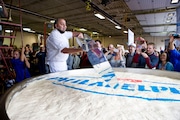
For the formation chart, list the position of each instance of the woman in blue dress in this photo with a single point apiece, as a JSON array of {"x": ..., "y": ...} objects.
[{"x": 20, "y": 65}]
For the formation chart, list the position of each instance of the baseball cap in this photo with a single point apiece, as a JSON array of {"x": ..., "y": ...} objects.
[{"x": 132, "y": 44}]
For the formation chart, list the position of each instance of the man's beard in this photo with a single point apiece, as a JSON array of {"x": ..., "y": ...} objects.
[{"x": 61, "y": 31}]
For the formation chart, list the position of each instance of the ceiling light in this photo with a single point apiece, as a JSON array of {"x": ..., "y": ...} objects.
[
  {"x": 125, "y": 31},
  {"x": 99, "y": 16},
  {"x": 29, "y": 30},
  {"x": 8, "y": 31},
  {"x": 82, "y": 29},
  {"x": 174, "y": 1},
  {"x": 32, "y": 31},
  {"x": 26, "y": 29},
  {"x": 52, "y": 21},
  {"x": 95, "y": 33},
  {"x": 117, "y": 27}
]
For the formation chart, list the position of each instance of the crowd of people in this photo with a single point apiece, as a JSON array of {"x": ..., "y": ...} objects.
[
  {"x": 58, "y": 56},
  {"x": 145, "y": 55},
  {"x": 137, "y": 56}
]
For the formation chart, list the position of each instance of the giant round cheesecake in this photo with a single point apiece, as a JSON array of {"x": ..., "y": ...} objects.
[{"x": 85, "y": 95}]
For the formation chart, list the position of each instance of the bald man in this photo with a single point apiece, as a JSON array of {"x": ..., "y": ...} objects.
[{"x": 57, "y": 45}]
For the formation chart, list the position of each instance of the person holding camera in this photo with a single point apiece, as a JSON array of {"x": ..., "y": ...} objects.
[
  {"x": 141, "y": 46},
  {"x": 151, "y": 56},
  {"x": 110, "y": 53},
  {"x": 118, "y": 60},
  {"x": 174, "y": 53},
  {"x": 148, "y": 59}
]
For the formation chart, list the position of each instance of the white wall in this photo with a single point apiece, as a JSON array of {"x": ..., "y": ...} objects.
[
  {"x": 159, "y": 41},
  {"x": 28, "y": 38}
]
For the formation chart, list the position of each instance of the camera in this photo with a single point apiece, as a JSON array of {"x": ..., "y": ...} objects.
[
  {"x": 143, "y": 50},
  {"x": 116, "y": 50},
  {"x": 176, "y": 35}
]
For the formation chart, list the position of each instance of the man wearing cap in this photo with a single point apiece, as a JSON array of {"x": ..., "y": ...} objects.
[{"x": 130, "y": 55}]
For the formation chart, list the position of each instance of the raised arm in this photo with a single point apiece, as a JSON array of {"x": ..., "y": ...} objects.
[
  {"x": 171, "y": 43},
  {"x": 24, "y": 59},
  {"x": 78, "y": 34},
  {"x": 71, "y": 50}
]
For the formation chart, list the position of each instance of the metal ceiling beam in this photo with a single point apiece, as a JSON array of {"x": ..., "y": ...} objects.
[
  {"x": 33, "y": 13},
  {"x": 158, "y": 25},
  {"x": 27, "y": 11},
  {"x": 103, "y": 12},
  {"x": 140, "y": 12}
]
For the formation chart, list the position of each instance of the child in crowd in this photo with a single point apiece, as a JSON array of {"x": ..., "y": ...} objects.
[{"x": 20, "y": 65}]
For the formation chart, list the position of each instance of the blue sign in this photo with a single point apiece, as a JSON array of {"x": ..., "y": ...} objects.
[{"x": 139, "y": 89}]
